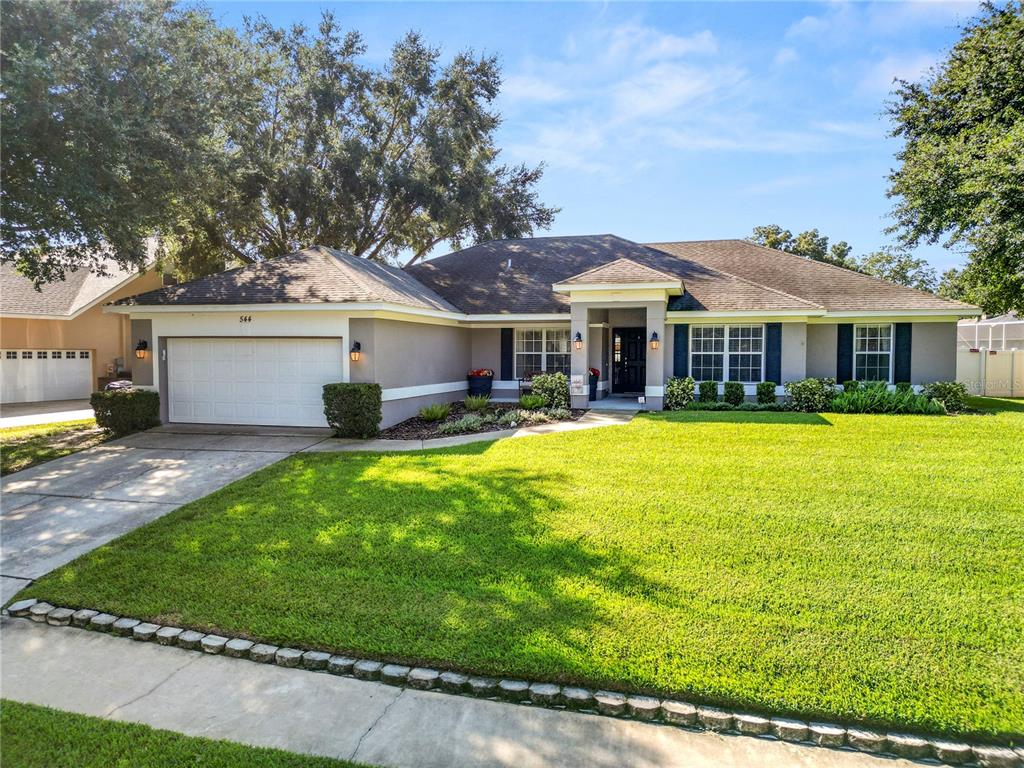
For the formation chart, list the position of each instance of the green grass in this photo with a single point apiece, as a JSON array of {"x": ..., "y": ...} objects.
[
  {"x": 24, "y": 447},
  {"x": 849, "y": 567},
  {"x": 39, "y": 737}
]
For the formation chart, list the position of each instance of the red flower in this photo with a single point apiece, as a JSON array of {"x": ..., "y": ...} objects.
[{"x": 482, "y": 372}]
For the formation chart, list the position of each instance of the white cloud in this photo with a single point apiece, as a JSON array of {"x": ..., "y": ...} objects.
[
  {"x": 874, "y": 130},
  {"x": 786, "y": 56},
  {"x": 530, "y": 88},
  {"x": 664, "y": 88},
  {"x": 781, "y": 184},
  {"x": 912, "y": 66},
  {"x": 646, "y": 44},
  {"x": 573, "y": 145}
]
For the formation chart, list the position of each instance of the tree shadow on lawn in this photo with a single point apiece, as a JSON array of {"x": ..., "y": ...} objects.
[
  {"x": 745, "y": 417},
  {"x": 996, "y": 404},
  {"x": 445, "y": 557}
]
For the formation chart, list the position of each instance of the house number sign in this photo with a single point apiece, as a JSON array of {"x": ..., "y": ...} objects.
[{"x": 245, "y": 318}]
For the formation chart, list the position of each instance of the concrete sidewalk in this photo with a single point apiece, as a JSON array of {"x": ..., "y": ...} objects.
[{"x": 322, "y": 714}]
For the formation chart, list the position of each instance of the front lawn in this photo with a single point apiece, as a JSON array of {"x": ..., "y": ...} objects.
[
  {"x": 845, "y": 567},
  {"x": 24, "y": 447},
  {"x": 39, "y": 737}
]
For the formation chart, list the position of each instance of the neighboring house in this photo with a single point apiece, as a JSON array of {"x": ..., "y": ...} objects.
[
  {"x": 1002, "y": 333},
  {"x": 254, "y": 345},
  {"x": 57, "y": 342}
]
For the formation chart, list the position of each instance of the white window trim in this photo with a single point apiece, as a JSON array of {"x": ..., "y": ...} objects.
[
  {"x": 891, "y": 352},
  {"x": 516, "y": 373},
  {"x": 725, "y": 352}
]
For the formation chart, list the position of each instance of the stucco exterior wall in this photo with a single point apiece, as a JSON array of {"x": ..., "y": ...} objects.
[
  {"x": 107, "y": 336},
  {"x": 933, "y": 352},
  {"x": 821, "y": 350},
  {"x": 794, "y": 352}
]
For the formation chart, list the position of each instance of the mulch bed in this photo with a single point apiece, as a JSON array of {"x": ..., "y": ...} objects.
[{"x": 420, "y": 429}]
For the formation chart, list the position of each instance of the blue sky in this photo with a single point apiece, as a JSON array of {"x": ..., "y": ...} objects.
[{"x": 682, "y": 121}]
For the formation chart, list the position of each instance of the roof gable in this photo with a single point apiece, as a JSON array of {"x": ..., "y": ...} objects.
[
  {"x": 66, "y": 298},
  {"x": 620, "y": 271}
]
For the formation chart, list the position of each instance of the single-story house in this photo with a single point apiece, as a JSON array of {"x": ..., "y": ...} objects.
[
  {"x": 57, "y": 342},
  {"x": 254, "y": 345}
]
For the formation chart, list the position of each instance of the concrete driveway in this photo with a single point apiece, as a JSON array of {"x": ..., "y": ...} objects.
[
  {"x": 48, "y": 412},
  {"x": 64, "y": 508}
]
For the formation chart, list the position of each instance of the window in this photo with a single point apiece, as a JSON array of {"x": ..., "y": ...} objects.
[
  {"x": 40, "y": 355},
  {"x": 542, "y": 351},
  {"x": 84, "y": 354},
  {"x": 70, "y": 355},
  {"x": 26, "y": 355},
  {"x": 56, "y": 355},
  {"x": 872, "y": 352},
  {"x": 12, "y": 355},
  {"x": 727, "y": 352}
]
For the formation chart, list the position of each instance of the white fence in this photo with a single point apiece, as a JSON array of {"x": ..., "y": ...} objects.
[{"x": 997, "y": 373}]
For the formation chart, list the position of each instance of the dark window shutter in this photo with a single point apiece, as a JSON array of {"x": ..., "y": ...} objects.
[
  {"x": 844, "y": 352},
  {"x": 681, "y": 351},
  {"x": 773, "y": 352},
  {"x": 507, "y": 346},
  {"x": 901, "y": 349}
]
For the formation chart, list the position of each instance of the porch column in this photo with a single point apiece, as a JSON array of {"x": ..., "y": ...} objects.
[
  {"x": 579, "y": 317},
  {"x": 655, "y": 389}
]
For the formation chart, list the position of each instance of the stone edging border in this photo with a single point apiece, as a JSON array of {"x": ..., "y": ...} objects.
[{"x": 549, "y": 695}]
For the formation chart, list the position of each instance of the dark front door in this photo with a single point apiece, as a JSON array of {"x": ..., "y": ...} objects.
[{"x": 629, "y": 360}]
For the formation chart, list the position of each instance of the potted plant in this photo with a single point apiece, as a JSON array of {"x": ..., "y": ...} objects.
[
  {"x": 594, "y": 376},
  {"x": 480, "y": 380}
]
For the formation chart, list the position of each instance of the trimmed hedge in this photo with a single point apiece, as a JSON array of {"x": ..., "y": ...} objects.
[
  {"x": 708, "y": 391},
  {"x": 766, "y": 393},
  {"x": 733, "y": 392},
  {"x": 123, "y": 411},
  {"x": 678, "y": 393},
  {"x": 811, "y": 395},
  {"x": 353, "y": 410},
  {"x": 553, "y": 387}
]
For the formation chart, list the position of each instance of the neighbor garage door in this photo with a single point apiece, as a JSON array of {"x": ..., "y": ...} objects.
[
  {"x": 251, "y": 381},
  {"x": 32, "y": 375}
]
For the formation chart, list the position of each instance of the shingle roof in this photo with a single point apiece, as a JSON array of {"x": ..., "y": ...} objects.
[
  {"x": 835, "y": 288},
  {"x": 77, "y": 291},
  {"x": 515, "y": 276},
  {"x": 311, "y": 276},
  {"x": 620, "y": 271}
]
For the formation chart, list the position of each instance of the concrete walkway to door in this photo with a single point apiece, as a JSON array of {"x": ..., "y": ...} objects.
[
  {"x": 323, "y": 714},
  {"x": 56, "y": 511}
]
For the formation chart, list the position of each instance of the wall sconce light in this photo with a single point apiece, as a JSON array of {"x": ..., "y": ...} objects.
[
  {"x": 140, "y": 349},
  {"x": 355, "y": 351},
  {"x": 655, "y": 343},
  {"x": 578, "y": 341}
]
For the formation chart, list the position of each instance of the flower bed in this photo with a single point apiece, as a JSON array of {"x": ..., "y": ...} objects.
[{"x": 418, "y": 428}]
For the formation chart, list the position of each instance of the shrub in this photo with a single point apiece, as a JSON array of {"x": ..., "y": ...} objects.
[
  {"x": 353, "y": 410},
  {"x": 471, "y": 422},
  {"x": 903, "y": 386},
  {"x": 532, "y": 401},
  {"x": 733, "y": 392},
  {"x": 678, "y": 393},
  {"x": 708, "y": 391},
  {"x": 518, "y": 418},
  {"x": 877, "y": 398},
  {"x": 123, "y": 411},
  {"x": 851, "y": 386},
  {"x": 435, "y": 411},
  {"x": 952, "y": 395},
  {"x": 772, "y": 406},
  {"x": 476, "y": 402},
  {"x": 811, "y": 395},
  {"x": 553, "y": 388},
  {"x": 724, "y": 406},
  {"x": 766, "y": 393},
  {"x": 559, "y": 414},
  {"x": 710, "y": 405}
]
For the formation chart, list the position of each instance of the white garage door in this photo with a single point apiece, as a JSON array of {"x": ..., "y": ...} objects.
[
  {"x": 33, "y": 375},
  {"x": 251, "y": 381}
]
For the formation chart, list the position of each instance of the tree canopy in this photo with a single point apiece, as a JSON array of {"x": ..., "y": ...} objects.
[
  {"x": 961, "y": 168},
  {"x": 810, "y": 244},
  {"x": 112, "y": 116},
  {"x": 129, "y": 119}
]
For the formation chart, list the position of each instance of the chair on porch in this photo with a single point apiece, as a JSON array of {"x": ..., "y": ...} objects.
[{"x": 526, "y": 382}]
